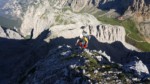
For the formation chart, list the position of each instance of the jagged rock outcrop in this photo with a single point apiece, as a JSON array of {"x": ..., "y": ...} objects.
[
  {"x": 141, "y": 10},
  {"x": 137, "y": 67},
  {"x": 104, "y": 33},
  {"x": 2, "y": 33},
  {"x": 8, "y": 33},
  {"x": 144, "y": 29},
  {"x": 83, "y": 67}
]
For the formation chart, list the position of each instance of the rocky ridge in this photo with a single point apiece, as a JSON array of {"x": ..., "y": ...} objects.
[
  {"x": 62, "y": 64},
  {"x": 75, "y": 66},
  {"x": 65, "y": 63}
]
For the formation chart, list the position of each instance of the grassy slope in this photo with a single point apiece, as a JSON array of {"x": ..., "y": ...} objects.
[{"x": 133, "y": 37}]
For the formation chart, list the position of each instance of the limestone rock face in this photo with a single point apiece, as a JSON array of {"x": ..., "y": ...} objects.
[
  {"x": 141, "y": 10},
  {"x": 10, "y": 34},
  {"x": 2, "y": 33},
  {"x": 37, "y": 18},
  {"x": 104, "y": 33},
  {"x": 145, "y": 29},
  {"x": 13, "y": 35}
]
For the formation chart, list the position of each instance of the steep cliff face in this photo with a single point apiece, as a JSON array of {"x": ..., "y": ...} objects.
[
  {"x": 54, "y": 14},
  {"x": 39, "y": 15},
  {"x": 141, "y": 10},
  {"x": 18, "y": 7},
  {"x": 104, "y": 33}
]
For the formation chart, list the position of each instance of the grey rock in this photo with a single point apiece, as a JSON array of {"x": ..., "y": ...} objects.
[
  {"x": 87, "y": 61},
  {"x": 102, "y": 60},
  {"x": 144, "y": 29},
  {"x": 95, "y": 71},
  {"x": 10, "y": 34},
  {"x": 2, "y": 33},
  {"x": 137, "y": 67},
  {"x": 104, "y": 57},
  {"x": 110, "y": 72},
  {"x": 83, "y": 71},
  {"x": 88, "y": 75},
  {"x": 135, "y": 79},
  {"x": 73, "y": 66},
  {"x": 13, "y": 35},
  {"x": 66, "y": 54}
]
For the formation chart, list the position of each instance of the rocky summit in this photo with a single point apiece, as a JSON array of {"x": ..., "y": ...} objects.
[
  {"x": 65, "y": 64},
  {"x": 38, "y": 42}
]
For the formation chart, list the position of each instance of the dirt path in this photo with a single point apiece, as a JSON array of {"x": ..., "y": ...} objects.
[
  {"x": 111, "y": 11},
  {"x": 133, "y": 38}
]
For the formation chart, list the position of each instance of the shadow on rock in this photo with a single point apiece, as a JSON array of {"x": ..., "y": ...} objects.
[
  {"x": 120, "y": 7},
  {"x": 116, "y": 50},
  {"x": 17, "y": 56}
]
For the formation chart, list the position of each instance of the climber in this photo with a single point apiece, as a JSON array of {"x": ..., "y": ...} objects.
[{"x": 82, "y": 42}]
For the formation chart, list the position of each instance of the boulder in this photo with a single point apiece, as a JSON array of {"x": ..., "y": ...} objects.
[{"x": 137, "y": 67}]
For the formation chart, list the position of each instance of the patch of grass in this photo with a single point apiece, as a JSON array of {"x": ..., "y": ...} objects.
[
  {"x": 92, "y": 64},
  {"x": 82, "y": 67},
  {"x": 144, "y": 46},
  {"x": 27, "y": 37},
  {"x": 98, "y": 13},
  {"x": 111, "y": 21},
  {"x": 131, "y": 29},
  {"x": 122, "y": 77},
  {"x": 128, "y": 24},
  {"x": 60, "y": 20},
  {"x": 72, "y": 22},
  {"x": 92, "y": 61},
  {"x": 65, "y": 22},
  {"x": 44, "y": 15},
  {"x": 95, "y": 53},
  {"x": 66, "y": 8},
  {"x": 132, "y": 34},
  {"x": 106, "y": 68}
]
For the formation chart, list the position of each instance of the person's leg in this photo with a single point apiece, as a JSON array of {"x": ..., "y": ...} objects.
[{"x": 79, "y": 50}]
